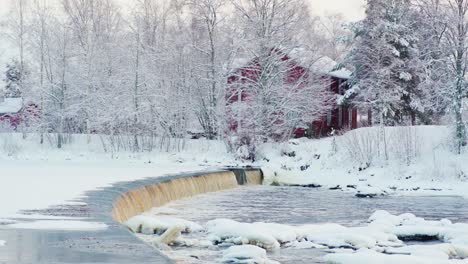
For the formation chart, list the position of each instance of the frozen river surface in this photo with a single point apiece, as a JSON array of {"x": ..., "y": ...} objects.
[{"x": 297, "y": 206}]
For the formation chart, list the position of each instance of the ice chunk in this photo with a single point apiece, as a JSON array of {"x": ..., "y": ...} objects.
[
  {"x": 230, "y": 231},
  {"x": 247, "y": 254}
]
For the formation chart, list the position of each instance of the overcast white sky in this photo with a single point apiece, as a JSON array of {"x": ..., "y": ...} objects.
[{"x": 352, "y": 9}]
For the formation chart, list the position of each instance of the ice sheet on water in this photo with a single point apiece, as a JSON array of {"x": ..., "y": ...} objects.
[
  {"x": 370, "y": 256},
  {"x": 67, "y": 225}
]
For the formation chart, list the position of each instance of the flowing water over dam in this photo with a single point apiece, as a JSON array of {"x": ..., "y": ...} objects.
[{"x": 297, "y": 206}]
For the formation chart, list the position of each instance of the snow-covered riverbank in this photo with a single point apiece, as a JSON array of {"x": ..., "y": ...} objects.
[{"x": 411, "y": 161}]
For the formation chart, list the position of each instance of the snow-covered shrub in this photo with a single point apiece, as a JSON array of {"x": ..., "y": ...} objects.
[
  {"x": 65, "y": 139},
  {"x": 406, "y": 144},
  {"x": 367, "y": 145},
  {"x": 362, "y": 145},
  {"x": 437, "y": 165},
  {"x": 10, "y": 145},
  {"x": 244, "y": 147}
]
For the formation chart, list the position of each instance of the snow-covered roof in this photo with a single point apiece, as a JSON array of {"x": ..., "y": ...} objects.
[
  {"x": 342, "y": 73},
  {"x": 11, "y": 105},
  {"x": 239, "y": 63},
  {"x": 301, "y": 55},
  {"x": 326, "y": 65}
]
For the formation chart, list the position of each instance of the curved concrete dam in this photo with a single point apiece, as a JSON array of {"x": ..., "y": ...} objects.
[
  {"x": 112, "y": 206},
  {"x": 142, "y": 199}
]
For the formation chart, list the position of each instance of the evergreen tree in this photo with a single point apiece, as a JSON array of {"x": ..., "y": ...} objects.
[
  {"x": 13, "y": 78},
  {"x": 385, "y": 57}
]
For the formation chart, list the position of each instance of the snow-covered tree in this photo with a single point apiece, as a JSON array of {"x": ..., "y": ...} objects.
[
  {"x": 210, "y": 56},
  {"x": 386, "y": 62},
  {"x": 282, "y": 93},
  {"x": 147, "y": 77},
  {"x": 13, "y": 78},
  {"x": 456, "y": 44},
  {"x": 430, "y": 23},
  {"x": 334, "y": 36}
]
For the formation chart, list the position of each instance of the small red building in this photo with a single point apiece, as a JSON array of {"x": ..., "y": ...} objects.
[
  {"x": 342, "y": 116},
  {"x": 13, "y": 113},
  {"x": 10, "y": 109}
]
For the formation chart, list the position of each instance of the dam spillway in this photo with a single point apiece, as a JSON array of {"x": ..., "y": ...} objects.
[{"x": 143, "y": 198}]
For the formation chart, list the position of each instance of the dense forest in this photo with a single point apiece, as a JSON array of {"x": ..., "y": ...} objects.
[{"x": 155, "y": 73}]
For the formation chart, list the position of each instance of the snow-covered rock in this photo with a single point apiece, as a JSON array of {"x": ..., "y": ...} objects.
[
  {"x": 148, "y": 224},
  {"x": 366, "y": 191}
]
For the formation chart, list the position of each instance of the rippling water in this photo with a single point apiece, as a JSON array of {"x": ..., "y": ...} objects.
[{"x": 297, "y": 206}]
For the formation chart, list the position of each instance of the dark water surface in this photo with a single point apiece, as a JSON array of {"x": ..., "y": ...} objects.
[{"x": 298, "y": 205}]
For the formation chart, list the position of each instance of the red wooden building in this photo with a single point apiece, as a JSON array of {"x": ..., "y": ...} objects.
[{"x": 341, "y": 117}]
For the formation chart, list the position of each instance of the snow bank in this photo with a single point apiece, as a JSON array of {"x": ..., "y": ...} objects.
[
  {"x": 63, "y": 225},
  {"x": 247, "y": 254},
  {"x": 147, "y": 224}
]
